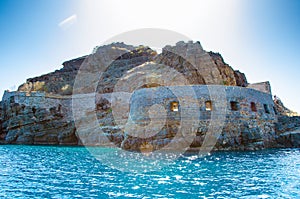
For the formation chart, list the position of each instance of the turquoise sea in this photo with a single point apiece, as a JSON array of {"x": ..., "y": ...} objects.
[{"x": 72, "y": 172}]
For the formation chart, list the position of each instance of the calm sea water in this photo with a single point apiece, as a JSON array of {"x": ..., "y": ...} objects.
[{"x": 72, "y": 172}]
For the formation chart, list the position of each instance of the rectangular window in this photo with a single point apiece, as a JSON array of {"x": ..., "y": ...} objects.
[
  {"x": 266, "y": 108},
  {"x": 253, "y": 107},
  {"x": 208, "y": 105},
  {"x": 174, "y": 106},
  {"x": 234, "y": 106}
]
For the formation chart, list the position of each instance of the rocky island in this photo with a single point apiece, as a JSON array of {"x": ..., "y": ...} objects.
[{"x": 196, "y": 93}]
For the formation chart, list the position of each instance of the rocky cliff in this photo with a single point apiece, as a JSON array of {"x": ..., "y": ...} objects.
[
  {"x": 283, "y": 110},
  {"x": 230, "y": 77},
  {"x": 40, "y": 112},
  {"x": 288, "y": 131},
  {"x": 2, "y": 135},
  {"x": 32, "y": 119},
  {"x": 61, "y": 81},
  {"x": 200, "y": 67},
  {"x": 288, "y": 125}
]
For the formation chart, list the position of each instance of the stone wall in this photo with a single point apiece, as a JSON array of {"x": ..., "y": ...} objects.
[
  {"x": 246, "y": 128},
  {"x": 37, "y": 118},
  {"x": 262, "y": 86}
]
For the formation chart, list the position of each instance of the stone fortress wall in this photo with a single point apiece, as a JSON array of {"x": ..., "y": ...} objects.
[
  {"x": 247, "y": 101},
  {"x": 249, "y": 115},
  {"x": 261, "y": 86},
  {"x": 252, "y": 124},
  {"x": 243, "y": 96}
]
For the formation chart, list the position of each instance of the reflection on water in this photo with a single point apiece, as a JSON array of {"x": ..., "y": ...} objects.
[{"x": 72, "y": 172}]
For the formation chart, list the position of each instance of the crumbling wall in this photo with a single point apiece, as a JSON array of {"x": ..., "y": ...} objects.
[{"x": 262, "y": 86}]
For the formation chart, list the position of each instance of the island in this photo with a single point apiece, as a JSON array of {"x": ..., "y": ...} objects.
[{"x": 145, "y": 100}]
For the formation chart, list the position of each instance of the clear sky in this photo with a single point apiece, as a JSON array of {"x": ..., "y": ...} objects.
[{"x": 258, "y": 37}]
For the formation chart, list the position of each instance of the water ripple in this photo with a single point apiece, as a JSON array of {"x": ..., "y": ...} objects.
[{"x": 71, "y": 172}]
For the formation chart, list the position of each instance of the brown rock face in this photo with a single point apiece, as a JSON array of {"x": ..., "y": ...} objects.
[
  {"x": 200, "y": 67},
  {"x": 58, "y": 82},
  {"x": 119, "y": 67},
  {"x": 230, "y": 77},
  {"x": 282, "y": 110},
  {"x": 287, "y": 126},
  {"x": 61, "y": 81},
  {"x": 240, "y": 78},
  {"x": 288, "y": 131},
  {"x": 2, "y": 134},
  {"x": 171, "y": 57}
]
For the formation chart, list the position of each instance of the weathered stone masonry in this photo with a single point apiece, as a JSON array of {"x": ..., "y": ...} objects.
[
  {"x": 244, "y": 128},
  {"x": 249, "y": 115}
]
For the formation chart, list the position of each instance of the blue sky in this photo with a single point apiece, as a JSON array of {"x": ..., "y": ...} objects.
[{"x": 258, "y": 37}]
